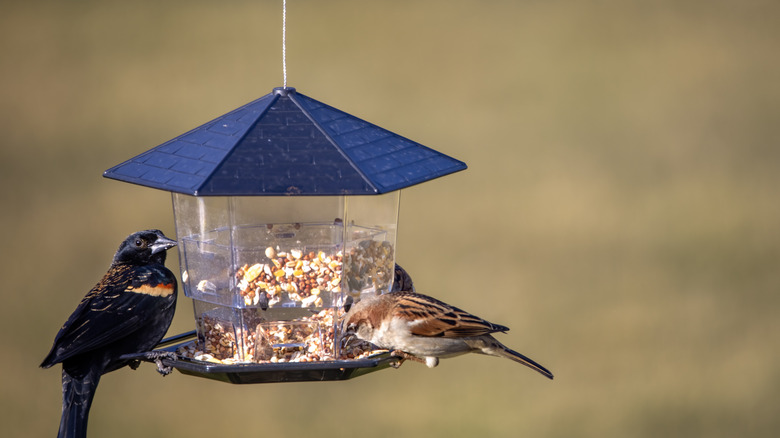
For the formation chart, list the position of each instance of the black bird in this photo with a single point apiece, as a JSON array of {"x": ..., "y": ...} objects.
[
  {"x": 402, "y": 281},
  {"x": 127, "y": 312}
]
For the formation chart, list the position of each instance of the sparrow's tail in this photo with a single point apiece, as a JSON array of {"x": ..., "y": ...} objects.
[
  {"x": 77, "y": 394},
  {"x": 501, "y": 350}
]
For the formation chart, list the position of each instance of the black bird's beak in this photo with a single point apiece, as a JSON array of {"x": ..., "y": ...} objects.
[{"x": 162, "y": 243}]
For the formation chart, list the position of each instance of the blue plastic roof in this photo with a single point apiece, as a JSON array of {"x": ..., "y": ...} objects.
[{"x": 285, "y": 143}]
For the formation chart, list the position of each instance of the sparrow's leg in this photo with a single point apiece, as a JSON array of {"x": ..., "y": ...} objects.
[
  {"x": 398, "y": 362},
  {"x": 403, "y": 356}
]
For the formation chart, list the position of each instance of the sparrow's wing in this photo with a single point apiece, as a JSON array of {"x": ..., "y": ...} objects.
[
  {"x": 432, "y": 318},
  {"x": 125, "y": 300}
]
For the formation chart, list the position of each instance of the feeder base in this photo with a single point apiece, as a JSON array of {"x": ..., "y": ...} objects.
[{"x": 322, "y": 371}]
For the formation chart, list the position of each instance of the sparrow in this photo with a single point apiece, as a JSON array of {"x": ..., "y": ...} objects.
[
  {"x": 127, "y": 312},
  {"x": 421, "y": 328}
]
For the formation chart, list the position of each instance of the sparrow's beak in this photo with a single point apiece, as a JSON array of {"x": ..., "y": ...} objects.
[{"x": 162, "y": 243}]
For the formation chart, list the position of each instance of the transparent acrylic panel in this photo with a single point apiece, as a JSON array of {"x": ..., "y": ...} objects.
[
  {"x": 287, "y": 341},
  {"x": 203, "y": 249},
  {"x": 238, "y": 335},
  {"x": 198, "y": 215},
  {"x": 288, "y": 265},
  {"x": 226, "y": 334},
  {"x": 254, "y": 210},
  {"x": 268, "y": 253},
  {"x": 206, "y": 261},
  {"x": 369, "y": 254}
]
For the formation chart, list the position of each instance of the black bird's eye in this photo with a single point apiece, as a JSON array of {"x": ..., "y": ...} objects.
[{"x": 139, "y": 243}]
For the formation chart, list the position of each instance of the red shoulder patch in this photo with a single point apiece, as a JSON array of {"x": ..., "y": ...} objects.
[{"x": 160, "y": 290}]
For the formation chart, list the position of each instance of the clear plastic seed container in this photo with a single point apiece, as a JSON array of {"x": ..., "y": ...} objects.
[{"x": 250, "y": 263}]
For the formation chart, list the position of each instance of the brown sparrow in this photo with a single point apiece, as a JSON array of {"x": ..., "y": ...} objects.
[{"x": 424, "y": 329}]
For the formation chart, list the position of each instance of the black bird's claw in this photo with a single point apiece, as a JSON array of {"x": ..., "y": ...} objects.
[{"x": 157, "y": 357}]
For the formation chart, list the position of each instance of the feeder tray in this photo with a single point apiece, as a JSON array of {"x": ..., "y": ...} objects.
[{"x": 245, "y": 373}]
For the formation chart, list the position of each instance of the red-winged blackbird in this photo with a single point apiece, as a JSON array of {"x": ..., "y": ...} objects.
[
  {"x": 402, "y": 281},
  {"x": 127, "y": 312}
]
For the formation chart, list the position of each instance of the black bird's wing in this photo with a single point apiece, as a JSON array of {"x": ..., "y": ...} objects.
[{"x": 124, "y": 301}]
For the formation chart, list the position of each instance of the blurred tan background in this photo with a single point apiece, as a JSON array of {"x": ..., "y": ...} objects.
[{"x": 620, "y": 212}]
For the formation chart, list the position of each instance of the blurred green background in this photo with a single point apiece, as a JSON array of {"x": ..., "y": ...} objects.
[{"x": 620, "y": 212}]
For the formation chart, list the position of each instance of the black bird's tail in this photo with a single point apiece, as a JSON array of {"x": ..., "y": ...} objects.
[{"x": 77, "y": 394}]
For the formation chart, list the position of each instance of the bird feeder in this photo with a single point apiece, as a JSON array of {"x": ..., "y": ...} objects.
[{"x": 284, "y": 209}]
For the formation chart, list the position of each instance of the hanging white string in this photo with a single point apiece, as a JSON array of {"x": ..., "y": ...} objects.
[{"x": 284, "y": 41}]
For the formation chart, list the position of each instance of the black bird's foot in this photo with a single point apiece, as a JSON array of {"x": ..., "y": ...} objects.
[
  {"x": 157, "y": 357},
  {"x": 134, "y": 364}
]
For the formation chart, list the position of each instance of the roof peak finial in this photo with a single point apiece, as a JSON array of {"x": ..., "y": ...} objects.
[{"x": 284, "y": 91}]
